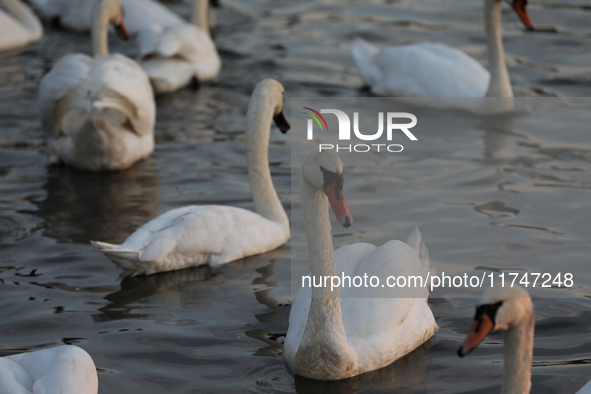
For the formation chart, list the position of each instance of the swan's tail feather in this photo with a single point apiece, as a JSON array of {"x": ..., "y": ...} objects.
[
  {"x": 126, "y": 259},
  {"x": 363, "y": 53},
  {"x": 415, "y": 241}
]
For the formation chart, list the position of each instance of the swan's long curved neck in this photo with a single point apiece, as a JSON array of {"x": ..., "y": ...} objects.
[
  {"x": 500, "y": 84},
  {"x": 100, "y": 29},
  {"x": 324, "y": 342},
  {"x": 519, "y": 344},
  {"x": 199, "y": 15},
  {"x": 24, "y": 15},
  {"x": 258, "y": 128}
]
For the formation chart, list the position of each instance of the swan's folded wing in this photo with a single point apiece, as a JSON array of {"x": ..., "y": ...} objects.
[
  {"x": 66, "y": 74},
  {"x": 14, "y": 378},
  {"x": 123, "y": 76}
]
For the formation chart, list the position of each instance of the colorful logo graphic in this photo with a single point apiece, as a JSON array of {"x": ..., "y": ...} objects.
[{"x": 316, "y": 119}]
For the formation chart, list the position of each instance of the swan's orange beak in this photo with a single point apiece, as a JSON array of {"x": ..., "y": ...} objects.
[
  {"x": 480, "y": 329},
  {"x": 339, "y": 205},
  {"x": 122, "y": 31},
  {"x": 520, "y": 6},
  {"x": 281, "y": 122}
]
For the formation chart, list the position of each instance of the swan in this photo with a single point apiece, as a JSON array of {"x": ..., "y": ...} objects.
[
  {"x": 60, "y": 370},
  {"x": 435, "y": 70},
  {"x": 214, "y": 234},
  {"x": 331, "y": 336},
  {"x": 510, "y": 310},
  {"x": 18, "y": 25},
  {"x": 98, "y": 113},
  {"x": 173, "y": 56},
  {"x": 76, "y": 15}
]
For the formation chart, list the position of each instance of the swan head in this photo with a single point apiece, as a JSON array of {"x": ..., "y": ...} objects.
[
  {"x": 501, "y": 308},
  {"x": 520, "y": 7},
  {"x": 116, "y": 14},
  {"x": 271, "y": 92},
  {"x": 324, "y": 171}
]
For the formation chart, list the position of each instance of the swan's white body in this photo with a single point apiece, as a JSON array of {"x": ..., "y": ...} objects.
[
  {"x": 18, "y": 25},
  {"x": 331, "y": 336},
  {"x": 98, "y": 112},
  {"x": 435, "y": 70},
  {"x": 76, "y": 15},
  {"x": 195, "y": 235},
  {"x": 420, "y": 70},
  {"x": 212, "y": 234},
  {"x": 174, "y": 55},
  {"x": 59, "y": 370}
]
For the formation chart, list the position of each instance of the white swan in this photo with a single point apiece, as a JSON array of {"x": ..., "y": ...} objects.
[
  {"x": 510, "y": 310},
  {"x": 213, "y": 234},
  {"x": 98, "y": 113},
  {"x": 18, "y": 25},
  {"x": 76, "y": 15},
  {"x": 60, "y": 370},
  {"x": 331, "y": 336},
  {"x": 174, "y": 55},
  {"x": 435, "y": 70}
]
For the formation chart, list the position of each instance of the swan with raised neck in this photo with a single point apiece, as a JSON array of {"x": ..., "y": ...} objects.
[
  {"x": 215, "y": 234},
  {"x": 330, "y": 338},
  {"x": 105, "y": 12},
  {"x": 510, "y": 310}
]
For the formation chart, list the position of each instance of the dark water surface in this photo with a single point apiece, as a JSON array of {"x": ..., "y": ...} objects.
[{"x": 489, "y": 198}]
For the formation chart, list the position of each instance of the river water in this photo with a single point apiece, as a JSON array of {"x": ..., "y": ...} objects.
[{"x": 510, "y": 197}]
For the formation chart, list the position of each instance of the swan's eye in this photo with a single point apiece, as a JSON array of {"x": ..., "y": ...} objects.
[
  {"x": 331, "y": 176},
  {"x": 489, "y": 310}
]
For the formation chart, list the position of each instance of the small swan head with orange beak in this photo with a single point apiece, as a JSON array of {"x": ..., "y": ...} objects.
[
  {"x": 501, "y": 308},
  {"x": 520, "y": 7},
  {"x": 324, "y": 171}
]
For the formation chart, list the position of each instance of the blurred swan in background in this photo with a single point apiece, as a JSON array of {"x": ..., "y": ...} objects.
[
  {"x": 510, "y": 310},
  {"x": 213, "y": 234},
  {"x": 18, "y": 25},
  {"x": 174, "y": 55},
  {"x": 76, "y": 15},
  {"x": 98, "y": 112},
  {"x": 60, "y": 370},
  {"x": 435, "y": 70},
  {"x": 333, "y": 334}
]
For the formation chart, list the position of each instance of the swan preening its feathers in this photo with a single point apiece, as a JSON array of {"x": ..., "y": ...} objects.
[
  {"x": 98, "y": 112},
  {"x": 333, "y": 335},
  {"x": 18, "y": 25},
  {"x": 435, "y": 70},
  {"x": 213, "y": 234},
  {"x": 60, "y": 370}
]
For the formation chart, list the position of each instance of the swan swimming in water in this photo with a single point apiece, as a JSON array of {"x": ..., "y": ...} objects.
[
  {"x": 98, "y": 112},
  {"x": 333, "y": 335},
  {"x": 510, "y": 310},
  {"x": 435, "y": 70},
  {"x": 214, "y": 234}
]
